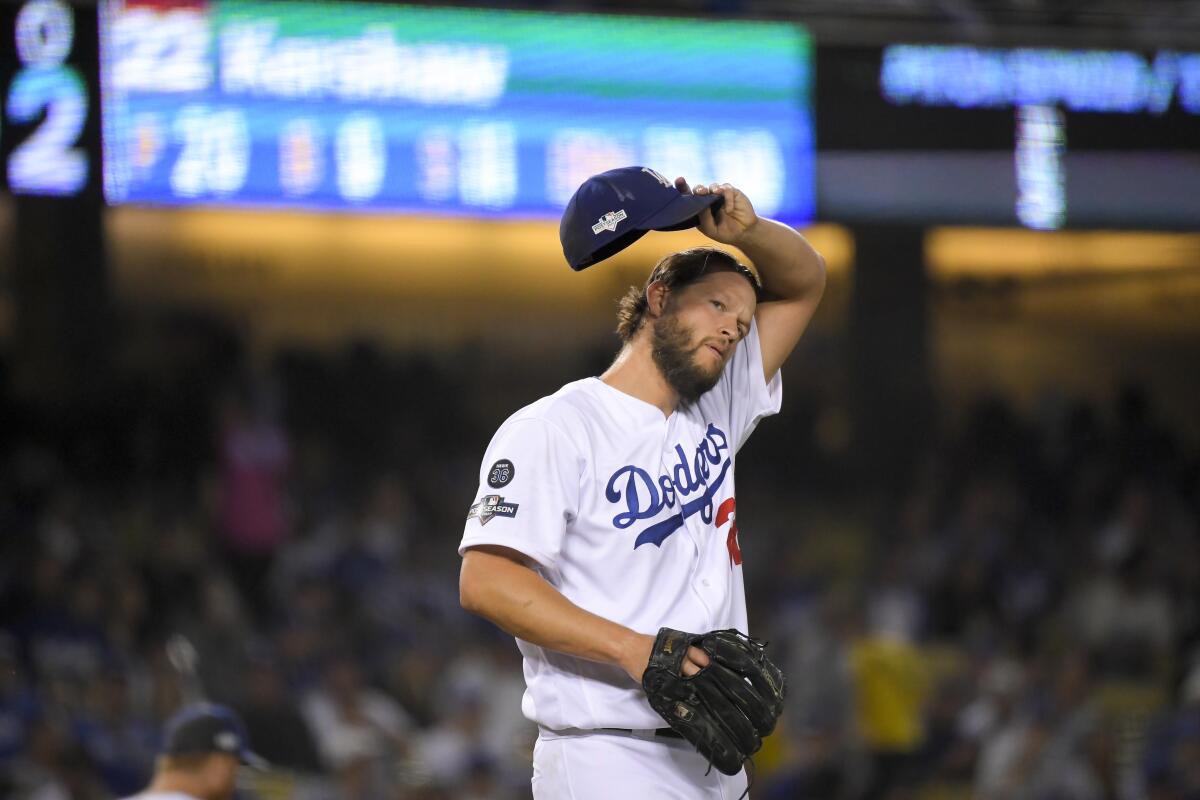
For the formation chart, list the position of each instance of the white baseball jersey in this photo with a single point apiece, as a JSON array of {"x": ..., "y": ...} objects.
[{"x": 630, "y": 515}]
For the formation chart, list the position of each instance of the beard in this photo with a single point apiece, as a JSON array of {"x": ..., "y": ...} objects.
[{"x": 675, "y": 357}]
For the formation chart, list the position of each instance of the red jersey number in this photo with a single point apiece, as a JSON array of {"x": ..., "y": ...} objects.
[{"x": 727, "y": 513}]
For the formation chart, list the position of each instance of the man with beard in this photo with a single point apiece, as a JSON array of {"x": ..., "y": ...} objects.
[{"x": 607, "y": 510}]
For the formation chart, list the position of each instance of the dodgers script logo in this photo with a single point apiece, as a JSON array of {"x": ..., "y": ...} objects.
[{"x": 645, "y": 496}]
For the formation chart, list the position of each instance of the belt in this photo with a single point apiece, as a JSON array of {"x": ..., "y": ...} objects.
[
  {"x": 649, "y": 734},
  {"x": 665, "y": 733}
]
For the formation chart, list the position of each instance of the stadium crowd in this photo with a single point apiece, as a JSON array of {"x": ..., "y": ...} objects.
[{"x": 1016, "y": 616}]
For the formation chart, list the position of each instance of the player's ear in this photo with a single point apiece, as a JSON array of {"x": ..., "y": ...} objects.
[{"x": 656, "y": 298}]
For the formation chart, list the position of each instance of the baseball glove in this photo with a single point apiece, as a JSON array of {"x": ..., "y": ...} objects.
[{"x": 726, "y": 708}]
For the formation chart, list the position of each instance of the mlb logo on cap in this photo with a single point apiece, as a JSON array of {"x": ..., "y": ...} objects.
[{"x": 614, "y": 209}]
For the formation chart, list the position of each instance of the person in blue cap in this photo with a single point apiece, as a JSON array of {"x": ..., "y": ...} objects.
[
  {"x": 607, "y": 511},
  {"x": 204, "y": 744}
]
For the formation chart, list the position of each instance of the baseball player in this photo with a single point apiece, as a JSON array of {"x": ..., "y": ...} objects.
[
  {"x": 204, "y": 744},
  {"x": 607, "y": 510}
]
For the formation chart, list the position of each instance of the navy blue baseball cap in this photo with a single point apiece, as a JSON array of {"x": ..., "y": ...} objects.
[
  {"x": 614, "y": 209},
  {"x": 209, "y": 728}
]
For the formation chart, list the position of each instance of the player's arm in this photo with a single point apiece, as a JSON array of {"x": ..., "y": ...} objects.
[
  {"x": 792, "y": 272},
  {"x": 497, "y": 583}
]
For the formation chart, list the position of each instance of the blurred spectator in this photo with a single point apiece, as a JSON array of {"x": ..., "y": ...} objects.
[
  {"x": 890, "y": 686},
  {"x": 816, "y": 769},
  {"x": 451, "y": 748},
  {"x": 273, "y": 721},
  {"x": 128, "y": 622},
  {"x": 220, "y": 632},
  {"x": 1047, "y": 747},
  {"x": 409, "y": 672},
  {"x": 117, "y": 740},
  {"x": 175, "y": 565},
  {"x": 1172, "y": 760},
  {"x": 1124, "y": 617},
  {"x": 18, "y": 703},
  {"x": 62, "y": 632},
  {"x": 997, "y": 703},
  {"x": 253, "y": 516},
  {"x": 483, "y": 683},
  {"x": 481, "y": 782},
  {"x": 361, "y": 732},
  {"x": 53, "y": 768}
]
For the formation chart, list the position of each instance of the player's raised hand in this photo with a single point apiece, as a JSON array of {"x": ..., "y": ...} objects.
[{"x": 732, "y": 221}]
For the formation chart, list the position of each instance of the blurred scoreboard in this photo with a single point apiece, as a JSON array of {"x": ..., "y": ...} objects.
[
  {"x": 340, "y": 105},
  {"x": 1044, "y": 138},
  {"x": 454, "y": 111}
]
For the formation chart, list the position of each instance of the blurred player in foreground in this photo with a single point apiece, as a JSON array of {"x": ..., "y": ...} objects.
[
  {"x": 606, "y": 511},
  {"x": 203, "y": 746}
]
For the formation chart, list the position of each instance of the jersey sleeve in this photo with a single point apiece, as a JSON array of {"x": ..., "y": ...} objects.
[
  {"x": 745, "y": 395},
  {"x": 528, "y": 491}
]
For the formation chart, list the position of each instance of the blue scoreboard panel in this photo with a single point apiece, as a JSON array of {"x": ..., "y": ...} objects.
[{"x": 340, "y": 105}]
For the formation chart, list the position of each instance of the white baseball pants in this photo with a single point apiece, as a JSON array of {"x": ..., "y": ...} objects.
[{"x": 600, "y": 766}]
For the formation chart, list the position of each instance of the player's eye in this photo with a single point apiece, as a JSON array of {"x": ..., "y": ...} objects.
[{"x": 718, "y": 305}]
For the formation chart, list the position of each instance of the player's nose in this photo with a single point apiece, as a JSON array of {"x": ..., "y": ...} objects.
[{"x": 728, "y": 329}]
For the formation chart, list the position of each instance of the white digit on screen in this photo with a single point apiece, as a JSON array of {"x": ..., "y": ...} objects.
[
  {"x": 751, "y": 160},
  {"x": 187, "y": 176},
  {"x": 229, "y": 153},
  {"x": 1041, "y": 187},
  {"x": 361, "y": 158},
  {"x": 133, "y": 48},
  {"x": 45, "y": 32},
  {"x": 161, "y": 51},
  {"x": 182, "y": 66},
  {"x": 215, "y": 156},
  {"x": 487, "y": 166},
  {"x": 47, "y": 160}
]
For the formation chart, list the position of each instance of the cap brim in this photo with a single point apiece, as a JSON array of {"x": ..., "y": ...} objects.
[
  {"x": 611, "y": 248},
  {"x": 681, "y": 213},
  {"x": 254, "y": 761}
]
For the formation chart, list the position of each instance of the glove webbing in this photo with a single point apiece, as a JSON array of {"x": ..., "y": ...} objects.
[{"x": 749, "y": 765}]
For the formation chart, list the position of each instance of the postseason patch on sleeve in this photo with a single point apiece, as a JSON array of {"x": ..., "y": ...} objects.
[{"x": 489, "y": 506}]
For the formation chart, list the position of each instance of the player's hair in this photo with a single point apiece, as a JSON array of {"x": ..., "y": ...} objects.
[{"x": 677, "y": 271}]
